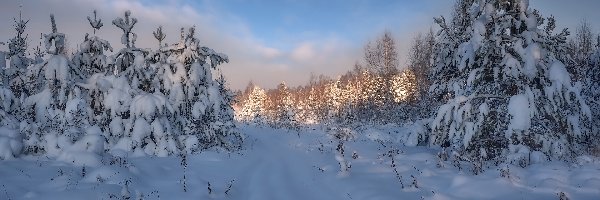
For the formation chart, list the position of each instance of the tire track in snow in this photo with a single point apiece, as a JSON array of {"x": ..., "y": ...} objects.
[{"x": 280, "y": 172}]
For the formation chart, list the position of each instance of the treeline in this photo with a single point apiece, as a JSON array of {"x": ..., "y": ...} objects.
[{"x": 374, "y": 92}]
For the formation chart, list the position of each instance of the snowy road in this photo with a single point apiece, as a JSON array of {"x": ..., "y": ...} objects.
[{"x": 282, "y": 172}]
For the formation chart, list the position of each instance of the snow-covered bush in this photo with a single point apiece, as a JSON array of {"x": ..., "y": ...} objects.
[{"x": 504, "y": 85}]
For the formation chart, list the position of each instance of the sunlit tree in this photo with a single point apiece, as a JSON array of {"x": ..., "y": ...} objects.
[{"x": 253, "y": 108}]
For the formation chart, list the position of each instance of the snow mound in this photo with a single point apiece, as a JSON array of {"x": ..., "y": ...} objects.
[{"x": 86, "y": 151}]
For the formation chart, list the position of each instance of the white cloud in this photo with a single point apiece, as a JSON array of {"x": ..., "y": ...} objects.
[
  {"x": 268, "y": 52},
  {"x": 304, "y": 52}
]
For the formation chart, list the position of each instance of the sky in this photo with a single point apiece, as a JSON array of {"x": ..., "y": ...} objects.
[{"x": 267, "y": 41}]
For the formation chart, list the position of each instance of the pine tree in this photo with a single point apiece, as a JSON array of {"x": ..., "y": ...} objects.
[
  {"x": 507, "y": 93},
  {"x": 404, "y": 86},
  {"x": 90, "y": 58},
  {"x": 334, "y": 101},
  {"x": 253, "y": 108},
  {"x": 17, "y": 46},
  {"x": 284, "y": 115},
  {"x": 191, "y": 91},
  {"x": 50, "y": 111},
  {"x": 126, "y": 57}
]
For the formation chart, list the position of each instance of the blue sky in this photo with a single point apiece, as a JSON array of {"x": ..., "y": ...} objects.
[
  {"x": 285, "y": 22},
  {"x": 267, "y": 41}
]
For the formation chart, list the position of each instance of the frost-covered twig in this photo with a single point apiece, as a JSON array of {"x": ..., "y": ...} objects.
[
  {"x": 6, "y": 192},
  {"x": 183, "y": 156},
  {"x": 229, "y": 187},
  {"x": 414, "y": 181},
  {"x": 209, "y": 188},
  {"x": 391, "y": 154}
]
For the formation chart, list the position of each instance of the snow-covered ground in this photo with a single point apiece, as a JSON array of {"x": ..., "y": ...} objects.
[{"x": 281, "y": 164}]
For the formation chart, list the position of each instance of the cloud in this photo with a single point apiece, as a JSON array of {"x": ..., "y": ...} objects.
[
  {"x": 268, "y": 52},
  {"x": 304, "y": 52}
]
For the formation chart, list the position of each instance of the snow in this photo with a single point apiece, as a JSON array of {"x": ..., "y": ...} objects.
[
  {"x": 73, "y": 107},
  {"x": 148, "y": 105},
  {"x": 518, "y": 108},
  {"x": 531, "y": 58},
  {"x": 41, "y": 103},
  {"x": 279, "y": 164},
  {"x": 467, "y": 55},
  {"x": 559, "y": 76},
  {"x": 54, "y": 42},
  {"x": 141, "y": 130},
  {"x": 57, "y": 68},
  {"x": 6, "y": 98},
  {"x": 10, "y": 143}
]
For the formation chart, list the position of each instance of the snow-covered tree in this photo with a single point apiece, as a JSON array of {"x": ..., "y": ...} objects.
[
  {"x": 333, "y": 92},
  {"x": 591, "y": 89},
  {"x": 129, "y": 55},
  {"x": 404, "y": 86},
  {"x": 284, "y": 114},
  {"x": 198, "y": 100},
  {"x": 94, "y": 65},
  {"x": 14, "y": 74},
  {"x": 48, "y": 110},
  {"x": 126, "y": 24},
  {"x": 91, "y": 58},
  {"x": 381, "y": 61},
  {"x": 419, "y": 57},
  {"x": 309, "y": 107},
  {"x": 253, "y": 108},
  {"x": 382, "y": 57},
  {"x": 140, "y": 101},
  {"x": 508, "y": 94},
  {"x": 580, "y": 49}
]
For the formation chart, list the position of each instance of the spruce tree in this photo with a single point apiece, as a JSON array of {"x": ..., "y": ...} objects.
[{"x": 507, "y": 93}]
